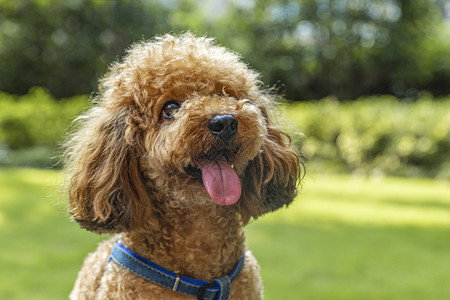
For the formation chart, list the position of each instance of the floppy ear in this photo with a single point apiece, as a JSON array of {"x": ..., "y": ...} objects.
[
  {"x": 107, "y": 192},
  {"x": 271, "y": 179}
]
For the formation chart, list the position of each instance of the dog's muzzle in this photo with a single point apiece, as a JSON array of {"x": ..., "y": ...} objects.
[{"x": 214, "y": 167}]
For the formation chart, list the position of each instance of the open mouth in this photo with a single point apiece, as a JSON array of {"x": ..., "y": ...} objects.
[
  {"x": 193, "y": 171},
  {"x": 219, "y": 179}
]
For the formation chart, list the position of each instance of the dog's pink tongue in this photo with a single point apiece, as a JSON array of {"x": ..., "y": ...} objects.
[{"x": 221, "y": 181}]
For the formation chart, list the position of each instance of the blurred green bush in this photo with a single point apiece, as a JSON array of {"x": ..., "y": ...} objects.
[
  {"x": 33, "y": 126},
  {"x": 375, "y": 135}
]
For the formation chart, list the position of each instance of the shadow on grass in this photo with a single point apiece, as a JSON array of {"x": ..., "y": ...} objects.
[{"x": 421, "y": 204}]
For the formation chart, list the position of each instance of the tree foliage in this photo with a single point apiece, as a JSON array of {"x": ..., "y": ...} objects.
[
  {"x": 66, "y": 45},
  {"x": 311, "y": 48},
  {"x": 345, "y": 48}
]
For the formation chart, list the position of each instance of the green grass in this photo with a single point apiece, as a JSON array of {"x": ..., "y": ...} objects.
[
  {"x": 344, "y": 238},
  {"x": 41, "y": 251},
  {"x": 350, "y": 238}
]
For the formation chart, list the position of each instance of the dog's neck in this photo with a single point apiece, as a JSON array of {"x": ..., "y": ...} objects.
[{"x": 198, "y": 242}]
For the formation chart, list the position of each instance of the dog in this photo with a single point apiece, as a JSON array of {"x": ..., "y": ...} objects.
[{"x": 178, "y": 153}]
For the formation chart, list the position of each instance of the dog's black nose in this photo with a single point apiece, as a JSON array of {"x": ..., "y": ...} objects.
[{"x": 223, "y": 126}]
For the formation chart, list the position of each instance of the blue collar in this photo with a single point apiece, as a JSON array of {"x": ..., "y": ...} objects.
[{"x": 218, "y": 289}]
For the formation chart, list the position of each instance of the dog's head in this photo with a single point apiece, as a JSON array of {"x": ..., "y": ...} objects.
[{"x": 179, "y": 122}]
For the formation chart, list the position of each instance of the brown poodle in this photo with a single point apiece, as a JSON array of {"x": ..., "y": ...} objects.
[{"x": 177, "y": 155}]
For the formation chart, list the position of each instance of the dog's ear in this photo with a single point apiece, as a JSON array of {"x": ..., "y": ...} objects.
[
  {"x": 107, "y": 191},
  {"x": 271, "y": 179}
]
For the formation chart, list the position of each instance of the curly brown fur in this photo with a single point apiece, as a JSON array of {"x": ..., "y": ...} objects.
[{"x": 134, "y": 170}]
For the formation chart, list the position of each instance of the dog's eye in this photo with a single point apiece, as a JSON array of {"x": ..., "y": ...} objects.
[{"x": 169, "y": 109}]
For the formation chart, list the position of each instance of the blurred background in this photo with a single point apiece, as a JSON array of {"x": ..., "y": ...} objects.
[{"x": 365, "y": 88}]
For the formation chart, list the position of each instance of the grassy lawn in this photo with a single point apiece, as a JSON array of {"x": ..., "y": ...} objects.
[{"x": 344, "y": 238}]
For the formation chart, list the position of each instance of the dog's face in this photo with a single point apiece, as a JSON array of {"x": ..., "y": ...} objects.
[
  {"x": 181, "y": 121},
  {"x": 203, "y": 143}
]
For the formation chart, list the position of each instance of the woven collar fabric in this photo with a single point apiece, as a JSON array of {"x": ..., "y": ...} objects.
[{"x": 218, "y": 289}]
